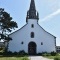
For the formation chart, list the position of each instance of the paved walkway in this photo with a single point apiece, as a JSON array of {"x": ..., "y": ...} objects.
[{"x": 38, "y": 58}]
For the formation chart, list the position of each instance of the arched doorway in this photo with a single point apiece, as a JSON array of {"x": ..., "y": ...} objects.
[{"x": 32, "y": 48}]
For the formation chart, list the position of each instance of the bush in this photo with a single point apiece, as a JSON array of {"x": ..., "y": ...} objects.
[
  {"x": 1, "y": 53},
  {"x": 40, "y": 54},
  {"x": 46, "y": 54},
  {"x": 22, "y": 52},
  {"x": 57, "y": 58},
  {"x": 15, "y": 53},
  {"x": 9, "y": 53},
  {"x": 53, "y": 53}
]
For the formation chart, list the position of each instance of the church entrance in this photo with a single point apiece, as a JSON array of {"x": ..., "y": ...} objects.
[{"x": 32, "y": 48}]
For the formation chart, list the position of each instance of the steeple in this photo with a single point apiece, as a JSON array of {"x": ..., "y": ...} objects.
[{"x": 31, "y": 13}]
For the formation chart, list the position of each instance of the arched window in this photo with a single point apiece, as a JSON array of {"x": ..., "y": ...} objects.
[
  {"x": 32, "y": 25},
  {"x": 32, "y": 34}
]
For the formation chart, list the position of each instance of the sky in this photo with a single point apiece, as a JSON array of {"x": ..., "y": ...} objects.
[{"x": 49, "y": 14}]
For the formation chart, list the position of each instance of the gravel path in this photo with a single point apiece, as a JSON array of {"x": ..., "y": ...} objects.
[{"x": 38, "y": 58}]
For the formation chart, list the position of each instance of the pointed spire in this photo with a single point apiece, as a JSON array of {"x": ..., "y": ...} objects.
[
  {"x": 32, "y": 14},
  {"x": 32, "y": 5}
]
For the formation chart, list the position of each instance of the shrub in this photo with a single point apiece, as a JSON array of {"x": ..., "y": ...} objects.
[
  {"x": 1, "y": 53},
  {"x": 9, "y": 53},
  {"x": 46, "y": 54},
  {"x": 40, "y": 54},
  {"x": 57, "y": 58},
  {"x": 53, "y": 53},
  {"x": 15, "y": 53},
  {"x": 22, "y": 52}
]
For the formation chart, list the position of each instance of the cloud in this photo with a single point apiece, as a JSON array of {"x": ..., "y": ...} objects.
[{"x": 51, "y": 15}]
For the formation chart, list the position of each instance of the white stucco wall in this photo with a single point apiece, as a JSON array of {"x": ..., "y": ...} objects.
[{"x": 24, "y": 35}]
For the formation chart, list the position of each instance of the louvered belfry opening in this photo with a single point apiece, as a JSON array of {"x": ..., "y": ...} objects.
[{"x": 32, "y": 13}]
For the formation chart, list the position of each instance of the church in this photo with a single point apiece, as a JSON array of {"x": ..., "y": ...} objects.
[{"x": 32, "y": 38}]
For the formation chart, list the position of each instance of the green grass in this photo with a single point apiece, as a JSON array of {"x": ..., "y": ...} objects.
[
  {"x": 14, "y": 58},
  {"x": 51, "y": 57}
]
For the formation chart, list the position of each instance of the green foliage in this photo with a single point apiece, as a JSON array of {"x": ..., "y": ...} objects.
[
  {"x": 5, "y": 53},
  {"x": 53, "y": 53},
  {"x": 57, "y": 58},
  {"x": 46, "y": 54},
  {"x": 3, "y": 36},
  {"x": 22, "y": 52},
  {"x": 17, "y": 54},
  {"x": 25, "y": 58},
  {"x": 39, "y": 54},
  {"x": 14, "y": 58},
  {"x": 6, "y": 25}
]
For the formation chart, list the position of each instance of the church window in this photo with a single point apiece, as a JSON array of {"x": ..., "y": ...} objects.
[
  {"x": 41, "y": 43},
  {"x": 32, "y": 25},
  {"x": 32, "y": 34},
  {"x": 22, "y": 42}
]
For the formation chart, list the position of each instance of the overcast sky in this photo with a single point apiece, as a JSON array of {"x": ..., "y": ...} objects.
[{"x": 49, "y": 13}]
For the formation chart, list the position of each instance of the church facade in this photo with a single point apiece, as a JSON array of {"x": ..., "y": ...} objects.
[{"x": 32, "y": 38}]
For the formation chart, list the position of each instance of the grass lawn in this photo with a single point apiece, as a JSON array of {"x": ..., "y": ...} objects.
[
  {"x": 14, "y": 58},
  {"x": 51, "y": 57}
]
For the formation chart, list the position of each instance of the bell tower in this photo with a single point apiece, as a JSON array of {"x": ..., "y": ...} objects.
[{"x": 32, "y": 13}]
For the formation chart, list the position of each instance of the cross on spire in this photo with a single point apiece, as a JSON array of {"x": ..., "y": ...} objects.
[{"x": 32, "y": 14}]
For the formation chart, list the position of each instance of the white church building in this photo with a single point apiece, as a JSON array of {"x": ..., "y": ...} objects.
[{"x": 32, "y": 38}]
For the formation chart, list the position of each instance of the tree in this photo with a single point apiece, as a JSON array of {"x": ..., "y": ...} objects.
[{"x": 6, "y": 25}]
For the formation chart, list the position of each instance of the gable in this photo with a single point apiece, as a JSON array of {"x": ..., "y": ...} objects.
[
  {"x": 36, "y": 27},
  {"x": 18, "y": 29},
  {"x": 46, "y": 31}
]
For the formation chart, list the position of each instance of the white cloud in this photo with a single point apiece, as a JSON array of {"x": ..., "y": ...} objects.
[
  {"x": 53, "y": 4},
  {"x": 51, "y": 15}
]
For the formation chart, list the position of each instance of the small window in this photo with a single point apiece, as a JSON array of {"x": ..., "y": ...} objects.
[
  {"x": 32, "y": 25},
  {"x": 22, "y": 42},
  {"x": 41, "y": 43},
  {"x": 32, "y": 34}
]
